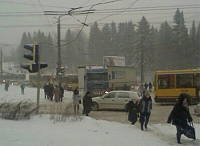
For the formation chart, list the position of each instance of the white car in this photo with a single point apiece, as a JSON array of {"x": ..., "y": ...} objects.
[
  {"x": 114, "y": 100},
  {"x": 197, "y": 109}
]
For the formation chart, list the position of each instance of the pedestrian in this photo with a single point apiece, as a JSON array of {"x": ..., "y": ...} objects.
[
  {"x": 146, "y": 86},
  {"x": 45, "y": 87},
  {"x": 50, "y": 89},
  {"x": 180, "y": 115},
  {"x": 61, "y": 92},
  {"x": 133, "y": 111},
  {"x": 150, "y": 87},
  {"x": 6, "y": 85},
  {"x": 125, "y": 86},
  {"x": 22, "y": 86},
  {"x": 145, "y": 108},
  {"x": 141, "y": 89},
  {"x": 87, "y": 103},
  {"x": 76, "y": 100},
  {"x": 56, "y": 93}
]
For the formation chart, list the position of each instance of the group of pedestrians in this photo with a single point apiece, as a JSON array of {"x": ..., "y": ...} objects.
[
  {"x": 141, "y": 109},
  {"x": 51, "y": 91},
  {"x": 86, "y": 100},
  {"x": 146, "y": 87},
  {"x": 179, "y": 116}
]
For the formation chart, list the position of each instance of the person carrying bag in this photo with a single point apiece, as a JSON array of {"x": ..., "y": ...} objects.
[{"x": 180, "y": 117}]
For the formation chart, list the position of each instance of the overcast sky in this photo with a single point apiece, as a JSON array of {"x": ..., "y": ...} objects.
[{"x": 18, "y": 16}]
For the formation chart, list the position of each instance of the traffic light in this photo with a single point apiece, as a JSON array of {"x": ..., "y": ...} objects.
[
  {"x": 54, "y": 77},
  {"x": 33, "y": 66},
  {"x": 62, "y": 71}
]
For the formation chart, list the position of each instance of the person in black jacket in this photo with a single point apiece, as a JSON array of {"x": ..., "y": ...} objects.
[
  {"x": 180, "y": 115},
  {"x": 61, "y": 92},
  {"x": 145, "y": 107},
  {"x": 87, "y": 103},
  {"x": 132, "y": 109}
]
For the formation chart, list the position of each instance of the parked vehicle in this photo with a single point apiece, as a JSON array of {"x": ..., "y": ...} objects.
[
  {"x": 114, "y": 100},
  {"x": 197, "y": 109}
]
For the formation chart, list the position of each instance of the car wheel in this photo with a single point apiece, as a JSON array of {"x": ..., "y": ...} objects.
[{"x": 95, "y": 106}]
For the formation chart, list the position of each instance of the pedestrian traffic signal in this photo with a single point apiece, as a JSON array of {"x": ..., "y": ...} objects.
[
  {"x": 54, "y": 77},
  {"x": 62, "y": 70},
  {"x": 33, "y": 66}
]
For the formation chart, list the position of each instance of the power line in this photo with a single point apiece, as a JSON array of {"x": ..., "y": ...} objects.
[
  {"x": 28, "y": 4},
  {"x": 48, "y": 20}
]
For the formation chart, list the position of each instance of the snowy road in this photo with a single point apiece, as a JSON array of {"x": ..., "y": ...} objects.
[{"x": 48, "y": 130}]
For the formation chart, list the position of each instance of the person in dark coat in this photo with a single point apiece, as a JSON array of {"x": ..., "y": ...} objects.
[
  {"x": 150, "y": 87},
  {"x": 87, "y": 103},
  {"x": 45, "y": 87},
  {"x": 61, "y": 92},
  {"x": 6, "y": 85},
  {"x": 145, "y": 108},
  {"x": 132, "y": 109},
  {"x": 146, "y": 86},
  {"x": 50, "y": 89},
  {"x": 180, "y": 115}
]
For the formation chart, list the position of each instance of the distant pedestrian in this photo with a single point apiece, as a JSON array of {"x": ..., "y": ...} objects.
[
  {"x": 6, "y": 85},
  {"x": 180, "y": 115},
  {"x": 87, "y": 103},
  {"x": 22, "y": 86},
  {"x": 146, "y": 86},
  {"x": 56, "y": 93},
  {"x": 145, "y": 108},
  {"x": 45, "y": 87},
  {"x": 50, "y": 93},
  {"x": 133, "y": 110},
  {"x": 150, "y": 87},
  {"x": 61, "y": 92},
  {"x": 125, "y": 86},
  {"x": 141, "y": 89},
  {"x": 76, "y": 100}
]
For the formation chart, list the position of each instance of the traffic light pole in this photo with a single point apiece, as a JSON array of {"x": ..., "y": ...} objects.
[
  {"x": 1, "y": 66},
  {"x": 38, "y": 83}
]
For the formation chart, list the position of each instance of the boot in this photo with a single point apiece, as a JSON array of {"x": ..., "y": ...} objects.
[
  {"x": 178, "y": 139},
  {"x": 142, "y": 127},
  {"x": 145, "y": 125}
]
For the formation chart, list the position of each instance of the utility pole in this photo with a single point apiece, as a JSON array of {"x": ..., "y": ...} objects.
[{"x": 59, "y": 49}]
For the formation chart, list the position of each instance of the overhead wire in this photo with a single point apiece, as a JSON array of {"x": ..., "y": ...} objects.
[
  {"x": 86, "y": 20},
  {"x": 48, "y": 20},
  {"x": 116, "y": 13}
]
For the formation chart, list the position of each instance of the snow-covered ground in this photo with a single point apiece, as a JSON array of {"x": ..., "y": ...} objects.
[{"x": 79, "y": 130}]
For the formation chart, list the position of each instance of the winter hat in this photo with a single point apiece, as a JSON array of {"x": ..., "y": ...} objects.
[
  {"x": 147, "y": 93},
  {"x": 182, "y": 96}
]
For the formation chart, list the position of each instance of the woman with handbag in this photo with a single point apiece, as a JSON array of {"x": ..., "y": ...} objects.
[
  {"x": 180, "y": 115},
  {"x": 76, "y": 100}
]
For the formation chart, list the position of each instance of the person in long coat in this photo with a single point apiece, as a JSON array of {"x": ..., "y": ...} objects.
[
  {"x": 180, "y": 115},
  {"x": 6, "y": 85},
  {"x": 22, "y": 86},
  {"x": 87, "y": 103},
  {"x": 145, "y": 108},
  {"x": 75, "y": 98},
  {"x": 56, "y": 93},
  {"x": 132, "y": 109}
]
